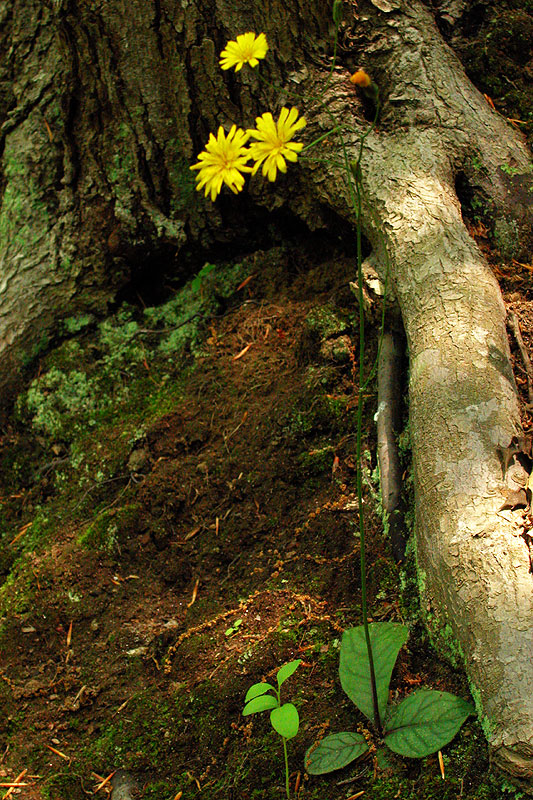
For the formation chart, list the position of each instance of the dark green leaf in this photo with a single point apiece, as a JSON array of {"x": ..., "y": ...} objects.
[
  {"x": 335, "y": 752},
  {"x": 285, "y": 720},
  {"x": 287, "y": 669},
  {"x": 424, "y": 722},
  {"x": 262, "y": 703},
  {"x": 257, "y": 689},
  {"x": 386, "y": 638}
]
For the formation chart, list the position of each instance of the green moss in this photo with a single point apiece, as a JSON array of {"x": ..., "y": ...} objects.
[
  {"x": 180, "y": 176},
  {"x": 440, "y": 633},
  {"x": 109, "y": 528},
  {"x": 182, "y": 318},
  {"x": 318, "y": 413},
  {"x": 57, "y": 399},
  {"x": 72, "y": 325},
  {"x": 127, "y": 363},
  {"x": 326, "y": 321},
  {"x": 17, "y": 591},
  {"x": 161, "y": 730},
  {"x": 316, "y": 462}
]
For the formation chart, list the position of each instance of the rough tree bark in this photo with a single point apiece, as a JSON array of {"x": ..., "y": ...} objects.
[{"x": 103, "y": 105}]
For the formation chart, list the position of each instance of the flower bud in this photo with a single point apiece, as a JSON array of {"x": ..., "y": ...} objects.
[
  {"x": 337, "y": 12},
  {"x": 361, "y": 78}
]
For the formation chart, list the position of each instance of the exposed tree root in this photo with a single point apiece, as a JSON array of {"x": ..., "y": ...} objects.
[{"x": 388, "y": 418}]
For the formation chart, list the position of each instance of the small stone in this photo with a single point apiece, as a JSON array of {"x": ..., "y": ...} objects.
[
  {"x": 139, "y": 461},
  {"x": 137, "y": 651}
]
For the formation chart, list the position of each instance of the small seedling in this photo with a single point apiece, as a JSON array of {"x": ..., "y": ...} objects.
[
  {"x": 422, "y": 723},
  {"x": 283, "y": 716},
  {"x": 234, "y": 628}
]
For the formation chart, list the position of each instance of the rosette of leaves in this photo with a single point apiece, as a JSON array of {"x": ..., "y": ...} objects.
[{"x": 421, "y": 724}]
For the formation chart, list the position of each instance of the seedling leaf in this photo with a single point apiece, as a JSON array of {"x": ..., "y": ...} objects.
[
  {"x": 424, "y": 722},
  {"x": 285, "y": 720},
  {"x": 335, "y": 752},
  {"x": 386, "y": 639},
  {"x": 257, "y": 689},
  {"x": 261, "y": 703},
  {"x": 287, "y": 669}
]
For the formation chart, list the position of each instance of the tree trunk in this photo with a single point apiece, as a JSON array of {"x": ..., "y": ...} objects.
[{"x": 111, "y": 101}]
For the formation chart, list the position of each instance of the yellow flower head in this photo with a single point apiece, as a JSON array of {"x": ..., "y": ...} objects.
[
  {"x": 274, "y": 143},
  {"x": 248, "y": 49},
  {"x": 361, "y": 78},
  {"x": 223, "y": 161}
]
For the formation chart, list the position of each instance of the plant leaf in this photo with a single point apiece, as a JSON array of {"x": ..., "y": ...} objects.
[
  {"x": 424, "y": 722},
  {"x": 256, "y": 689},
  {"x": 285, "y": 720},
  {"x": 335, "y": 752},
  {"x": 262, "y": 703},
  {"x": 386, "y": 639},
  {"x": 287, "y": 669}
]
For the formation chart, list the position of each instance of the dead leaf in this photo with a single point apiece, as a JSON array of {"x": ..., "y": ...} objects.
[
  {"x": 245, "y": 282},
  {"x": 192, "y": 533},
  {"x": 441, "y": 765},
  {"x": 21, "y": 532},
  {"x": 16, "y": 783},
  {"x": 194, "y": 593},
  {"x": 57, "y": 752},
  {"x": 243, "y": 352},
  {"x": 192, "y": 778},
  {"x": 104, "y": 782}
]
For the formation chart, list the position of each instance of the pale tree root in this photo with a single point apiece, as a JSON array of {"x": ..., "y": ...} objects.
[
  {"x": 514, "y": 326},
  {"x": 388, "y": 422},
  {"x": 473, "y": 564}
]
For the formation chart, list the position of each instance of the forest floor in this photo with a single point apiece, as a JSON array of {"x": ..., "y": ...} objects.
[{"x": 178, "y": 520}]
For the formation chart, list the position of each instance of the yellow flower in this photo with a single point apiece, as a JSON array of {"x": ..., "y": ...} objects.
[
  {"x": 248, "y": 49},
  {"x": 361, "y": 78},
  {"x": 223, "y": 161},
  {"x": 274, "y": 143}
]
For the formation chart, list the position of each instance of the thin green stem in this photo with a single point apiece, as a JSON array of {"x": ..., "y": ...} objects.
[
  {"x": 320, "y": 138},
  {"x": 287, "y": 786},
  {"x": 355, "y": 190},
  {"x": 359, "y": 472}
]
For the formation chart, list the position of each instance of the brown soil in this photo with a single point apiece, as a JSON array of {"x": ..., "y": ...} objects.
[{"x": 231, "y": 549}]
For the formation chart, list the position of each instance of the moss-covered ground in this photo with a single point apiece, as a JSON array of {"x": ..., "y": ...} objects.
[{"x": 178, "y": 520}]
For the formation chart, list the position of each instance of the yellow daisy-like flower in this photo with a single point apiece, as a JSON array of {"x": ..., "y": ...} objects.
[
  {"x": 223, "y": 161},
  {"x": 248, "y": 49},
  {"x": 274, "y": 143}
]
